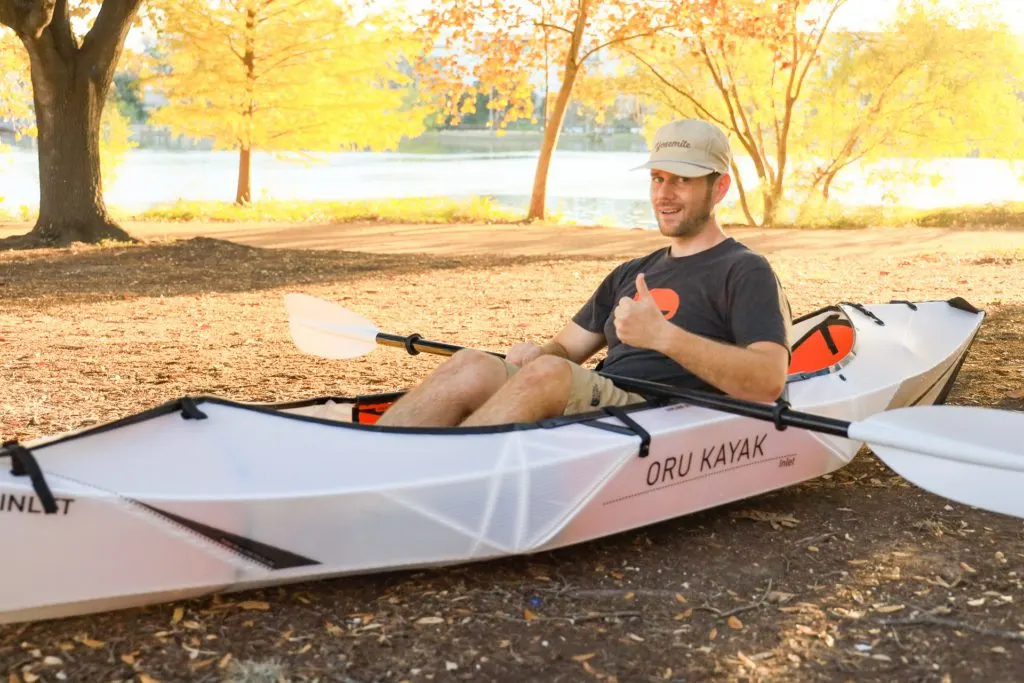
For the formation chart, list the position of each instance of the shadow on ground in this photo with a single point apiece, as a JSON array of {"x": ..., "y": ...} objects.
[{"x": 202, "y": 265}]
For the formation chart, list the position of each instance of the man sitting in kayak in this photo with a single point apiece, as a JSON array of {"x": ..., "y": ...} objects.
[{"x": 705, "y": 312}]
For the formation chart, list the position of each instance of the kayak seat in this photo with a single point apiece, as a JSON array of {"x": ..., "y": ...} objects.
[
  {"x": 822, "y": 346},
  {"x": 369, "y": 413}
]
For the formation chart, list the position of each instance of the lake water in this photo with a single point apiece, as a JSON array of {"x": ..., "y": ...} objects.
[{"x": 583, "y": 186}]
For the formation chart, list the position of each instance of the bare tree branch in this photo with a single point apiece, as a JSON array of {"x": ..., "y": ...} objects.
[
  {"x": 817, "y": 46},
  {"x": 657, "y": 74},
  {"x": 541, "y": 24},
  {"x": 626, "y": 39},
  {"x": 103, "y": 44}
]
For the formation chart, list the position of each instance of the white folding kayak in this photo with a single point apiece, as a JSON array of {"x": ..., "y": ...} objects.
[{"x": 203, "y": 495}]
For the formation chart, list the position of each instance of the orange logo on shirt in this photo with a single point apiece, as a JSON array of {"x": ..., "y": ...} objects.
[{"x": 667, "y": 300}]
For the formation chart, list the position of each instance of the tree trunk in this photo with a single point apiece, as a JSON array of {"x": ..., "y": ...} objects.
[
  {"x": 243, "y": 194},
  {"x": 553, "y": 129},
  {"x": 70, "y": 82},
  {"x": 538, "y": 199},
  {"x": 69, "y": 106},
  {"x": 771, "y": 207}
]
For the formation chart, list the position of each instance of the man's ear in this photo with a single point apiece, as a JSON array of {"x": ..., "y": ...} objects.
[{"x": 722, "y": 185}]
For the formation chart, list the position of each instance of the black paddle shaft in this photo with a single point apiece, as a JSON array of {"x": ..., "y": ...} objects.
[
  {"x": 779, "y": 412},
  {"x": 415, "y": 344}
]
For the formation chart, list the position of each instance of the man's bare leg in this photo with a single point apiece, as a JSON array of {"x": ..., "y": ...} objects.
[
  {"x": 449, "y": 394},
  {"x": 539, "y": 390}
]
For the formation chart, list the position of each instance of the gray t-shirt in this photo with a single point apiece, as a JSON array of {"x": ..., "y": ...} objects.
[{"x": 727, "y": 293}]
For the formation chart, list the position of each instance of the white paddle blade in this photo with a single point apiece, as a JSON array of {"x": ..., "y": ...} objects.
[
  {"x": 970, "y": 455},
  {"x": 322, "y": 328}
]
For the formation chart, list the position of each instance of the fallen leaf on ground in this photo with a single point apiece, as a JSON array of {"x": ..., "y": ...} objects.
[
  {"x": 747, "y": 661},
  {"x": 179, "y": 613},
  {"x": 429, "y": 621},
  {"x": 887, "y": 609},
  {"x": 735, "y": 623},
  {"x": 776, "y": 519},
  {"x": 90, "y": 643},
  {"x": 583, "y": 658},
  {"x": 254, "y": 604}
]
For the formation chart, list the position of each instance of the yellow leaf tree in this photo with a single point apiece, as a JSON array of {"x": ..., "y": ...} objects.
[
  {"x": 71, "y": 73},
  {"x": 282, "y": 75},
  {"x": 940, "y": 80},
  {"x": 744, "y": 65},
  {"x": 15, "y": 86},
  {"x": 509, "y": 48}
]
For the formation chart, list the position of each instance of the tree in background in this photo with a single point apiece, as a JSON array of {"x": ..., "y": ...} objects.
[
  {"x": 744, "y": 65},
  {"x": 281, "y": 75},
  {"x": 499, "y": 46},
  {"x": 15, "y": 88},
  {"x": 16, "y": 107},
  {"x": 805, "y": 102},
  {"x": 71, "y": 79},
  {"x": 939, "y": 81}
]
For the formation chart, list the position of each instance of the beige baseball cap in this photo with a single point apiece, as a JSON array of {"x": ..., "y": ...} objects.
[{"x": 690, "y": 148}]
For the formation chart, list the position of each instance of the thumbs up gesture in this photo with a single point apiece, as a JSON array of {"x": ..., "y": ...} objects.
[{"x": 639, "y": 322}]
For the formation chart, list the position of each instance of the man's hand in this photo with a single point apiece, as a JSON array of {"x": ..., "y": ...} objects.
[
  {"x": 640, "y": 323},
  {"x": 523, "y": 353}
]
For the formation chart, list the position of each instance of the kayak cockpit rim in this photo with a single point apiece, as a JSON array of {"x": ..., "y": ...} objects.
[{"x": 190, "y": 406}]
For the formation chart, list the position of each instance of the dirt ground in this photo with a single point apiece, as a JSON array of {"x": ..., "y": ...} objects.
[{"x": 857, "y": 576}]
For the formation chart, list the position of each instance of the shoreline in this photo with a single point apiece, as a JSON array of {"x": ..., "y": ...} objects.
[{"x": 540, "y": 239}]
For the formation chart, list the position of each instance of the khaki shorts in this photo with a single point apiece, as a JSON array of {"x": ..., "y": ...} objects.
[{"x": 589, "y": 391}]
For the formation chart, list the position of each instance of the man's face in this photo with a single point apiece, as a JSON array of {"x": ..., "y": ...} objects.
[{"x": 683, "y": 206}]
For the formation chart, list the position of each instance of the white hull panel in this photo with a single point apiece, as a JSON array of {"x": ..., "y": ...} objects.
[{"x": 157, "y": 507}]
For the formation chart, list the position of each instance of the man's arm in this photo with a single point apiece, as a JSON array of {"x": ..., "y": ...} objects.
[
  {"x": 756, "y": 372},
  {"x": 572, "y": 342},
  {"x": 575, "y": 343}
]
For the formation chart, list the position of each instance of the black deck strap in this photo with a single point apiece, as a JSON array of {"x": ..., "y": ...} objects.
[
  {"x": 829, "y": 341},
  {"x": 962, "y": 304},
  {"x": 645, "y": 436},
  {"x": 912, "y": 305},
  {"x": 863, "y": 309},
  {"x": 190, "y": 411},
  {"x": 778, "y": 410},
  {"x": 24, "y": 463},
  {"x": 410, "y": 341}
]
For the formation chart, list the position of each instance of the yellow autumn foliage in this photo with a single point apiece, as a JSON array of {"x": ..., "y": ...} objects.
[{"x": 282, "y": 75}]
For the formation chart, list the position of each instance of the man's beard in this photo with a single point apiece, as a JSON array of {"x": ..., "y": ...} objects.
[{"x": 692, "y": 226}]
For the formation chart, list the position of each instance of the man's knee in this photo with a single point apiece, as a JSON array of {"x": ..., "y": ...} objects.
[
  {"x": 546, "y": 373},
  {"x": 473, "y": 372}
]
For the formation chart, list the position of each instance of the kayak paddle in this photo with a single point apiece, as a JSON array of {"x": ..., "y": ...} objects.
[{"x": 968, "y": 454}]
